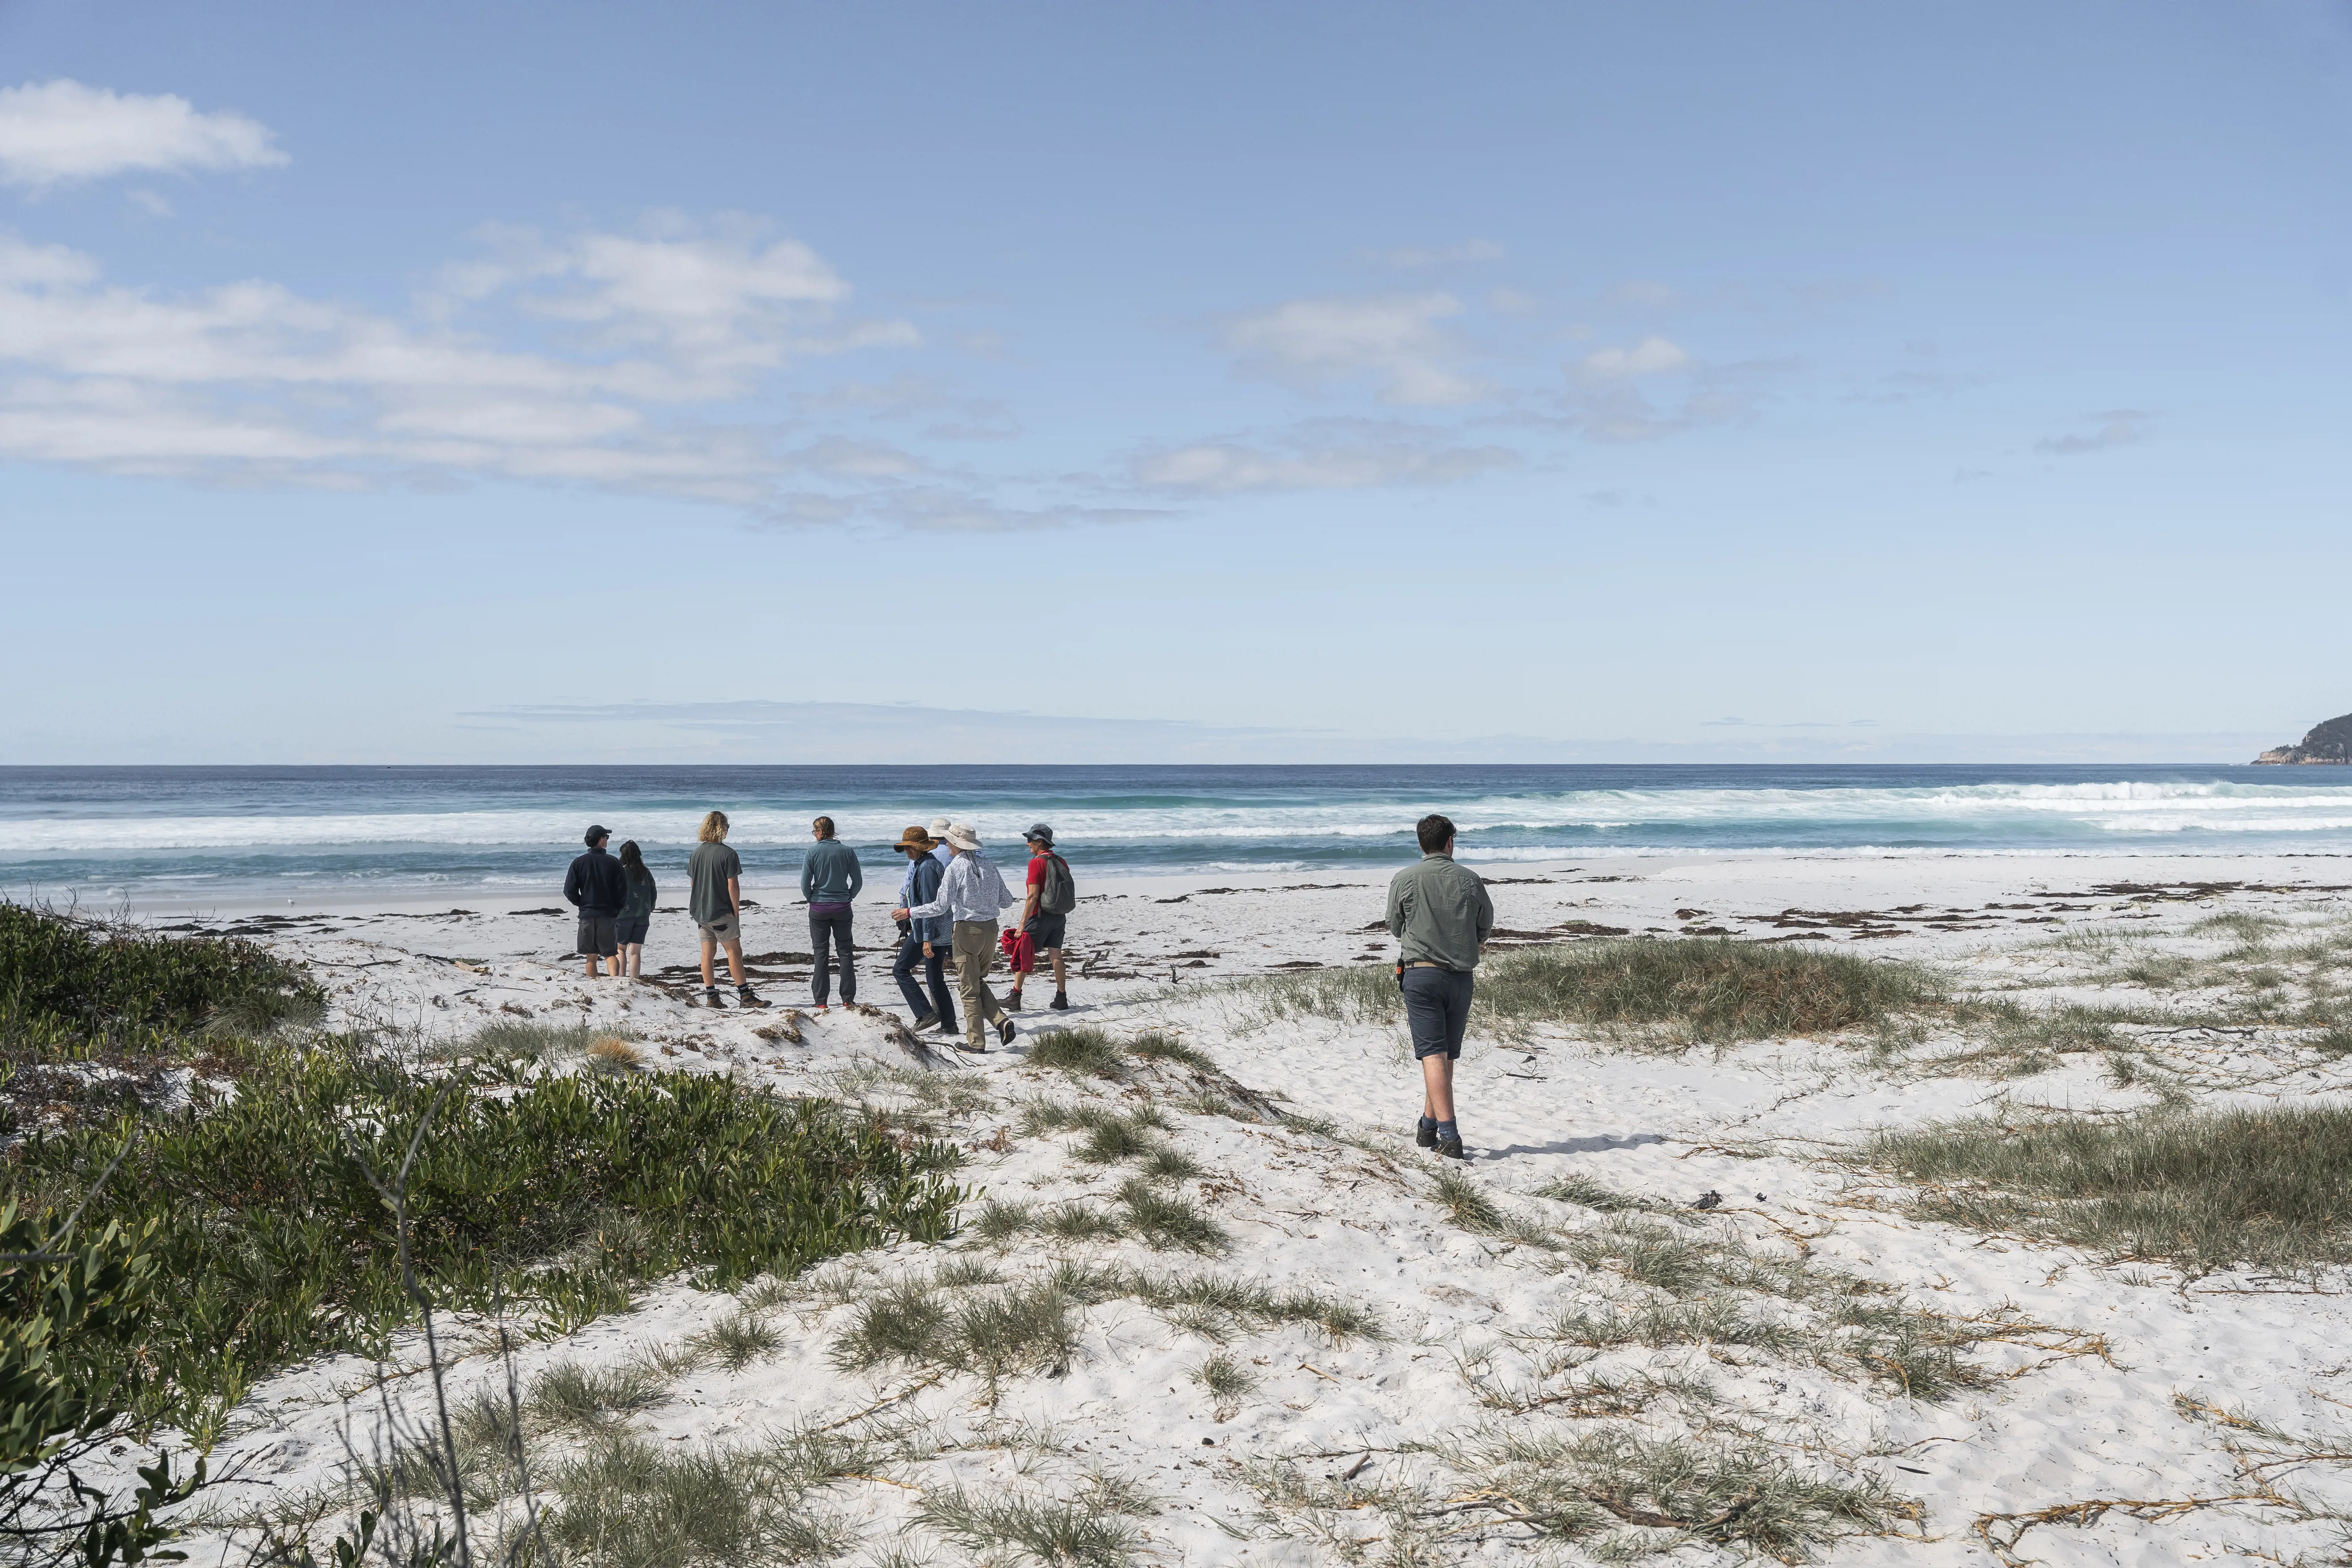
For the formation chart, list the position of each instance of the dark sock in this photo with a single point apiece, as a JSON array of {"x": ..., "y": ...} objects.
[
  {"x": 1429, "y": 1124},
  {"x": 1447, "y": 1130}
]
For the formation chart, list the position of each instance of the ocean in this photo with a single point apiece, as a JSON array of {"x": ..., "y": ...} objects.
[{"x": 111, "y": 836}]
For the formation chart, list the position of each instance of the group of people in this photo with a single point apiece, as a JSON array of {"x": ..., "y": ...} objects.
[{"x": 949, "y": 910}]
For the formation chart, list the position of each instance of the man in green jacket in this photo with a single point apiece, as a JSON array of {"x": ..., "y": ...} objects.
[{"x": 1440, "y": 914}]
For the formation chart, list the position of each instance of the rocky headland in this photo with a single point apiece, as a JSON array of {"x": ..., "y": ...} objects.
[{"x": 2327, "y": 743}]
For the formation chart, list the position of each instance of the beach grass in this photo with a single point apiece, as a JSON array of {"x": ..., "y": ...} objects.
[
  {"x": 2205, "y": 1189},
  {"x": 1095, "y": 1529},
  {"x": 627, "y": 1500},
  {"x": 1635, "y": 990},
  {"x": 1746, "y": 1495},
  {"x": 1082, "y": 1051}
]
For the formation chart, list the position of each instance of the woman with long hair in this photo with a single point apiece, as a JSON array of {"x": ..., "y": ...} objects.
[{"x": 637, "y": 914}]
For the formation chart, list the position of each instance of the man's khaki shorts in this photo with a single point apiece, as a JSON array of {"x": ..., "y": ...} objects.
[{"x": 725, "y": 928}]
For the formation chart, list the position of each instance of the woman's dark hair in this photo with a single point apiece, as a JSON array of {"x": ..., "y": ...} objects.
[{"x": 630, "y": 856}]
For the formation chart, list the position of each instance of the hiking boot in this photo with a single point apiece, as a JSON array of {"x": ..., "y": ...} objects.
[
  {"x": 1061, "y": 1003},
  {"x": 1012, "y": 1000},
  {"x": 746, "y": 997},
  {"x": 927, "y": 1020},
  {"x": 1004, "y": 1030},
  {"x": 710, "y": 996},
  {"x": 950, "y": 1026},
  {"x": 1450, "y": 1149},
  {"x": 1425, "y": 1135}
]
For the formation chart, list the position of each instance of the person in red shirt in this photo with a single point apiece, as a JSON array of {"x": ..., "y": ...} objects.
[{"x": 1044, "y": 927}]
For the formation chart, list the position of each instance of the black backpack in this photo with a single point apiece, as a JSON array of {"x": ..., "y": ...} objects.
[{"x": 1059, "y": 894}]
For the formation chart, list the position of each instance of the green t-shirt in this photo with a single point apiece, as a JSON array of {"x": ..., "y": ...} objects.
[{"x": 709, "y": 866}]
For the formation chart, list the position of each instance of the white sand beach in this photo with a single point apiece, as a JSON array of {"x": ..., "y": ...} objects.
[{"x": 2116, "y": 1411}]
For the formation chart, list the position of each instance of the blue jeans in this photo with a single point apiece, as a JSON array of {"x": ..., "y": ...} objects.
[
  {"x": 935, "y": 976},
  {"x": 835, "y": 929},
  {"x": 1437, "y": 1009}
]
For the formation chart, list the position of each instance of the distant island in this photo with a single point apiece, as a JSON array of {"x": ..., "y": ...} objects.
[{"x": 2328, "y": 742}]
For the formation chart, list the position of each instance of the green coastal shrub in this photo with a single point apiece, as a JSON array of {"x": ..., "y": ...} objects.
[
  {"x": 553, "y": 1198},
  {"x": 64, "y": 978}
]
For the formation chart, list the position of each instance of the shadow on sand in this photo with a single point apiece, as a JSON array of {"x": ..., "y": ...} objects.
[{"x": 1600, "y": 1144}]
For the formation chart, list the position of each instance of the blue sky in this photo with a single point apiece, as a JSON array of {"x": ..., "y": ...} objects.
[{"x": 1512, "y": 382}]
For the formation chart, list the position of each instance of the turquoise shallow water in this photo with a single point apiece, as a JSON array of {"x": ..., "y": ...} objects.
[{"x": 107, "y": 834}]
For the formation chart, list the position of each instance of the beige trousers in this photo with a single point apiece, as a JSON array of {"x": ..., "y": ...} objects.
[{"x": 975, "y": 951}]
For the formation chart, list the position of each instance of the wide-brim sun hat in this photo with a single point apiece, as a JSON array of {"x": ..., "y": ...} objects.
[
  {"x": 915, "y": 838},
  {"x": 1039, "y": 834},
  {"x": 962, "y": 837},
  {"x": 939, "y": 828}
]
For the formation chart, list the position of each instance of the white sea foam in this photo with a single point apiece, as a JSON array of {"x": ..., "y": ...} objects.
[{"x": 1695, "y": 816}]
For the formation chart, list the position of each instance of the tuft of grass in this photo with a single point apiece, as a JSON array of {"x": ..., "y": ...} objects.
[
  {"x": 1747, "y": 1495},
  {"x": 1168, "y": 1221},
  {"x": 1113, "y": 1140},
  {"x": 612, "y": 1053},
  {"x": 1020, "y": 1328},
  {"x": 1001, "y": 1220},
  {"x": 1095, "y": 1529},
  {"x": 1574, "y": 1188},
  {"x": 1716, "y": 1318},
  {"x": 2205, "y": 1189},
  {"x": 1215, "y": 1302},
  {"x": 1713, "y": 991},
  {"x": 648, "y": 1505},
  {"x": 569, "y": 1396},
  {"x": 1170, "y": 1164},
  {"x": 1082, "y": 1052},
  {"x": 1647, "y": 1254},
  {"x": 1080, "y": 1222},
  {"x": 739, "y": 1339},
  {"x": 1223, "y": 1376},
  {"x": 1468, "y": 1203},
  {"x": 1155, "y": 1047},
  {"x": 511, "y": 1039}
]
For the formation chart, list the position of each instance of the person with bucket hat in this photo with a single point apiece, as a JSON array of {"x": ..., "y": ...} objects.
[
  {"x": 971, "y": 895},
  {"x": 926, "y": 943}
]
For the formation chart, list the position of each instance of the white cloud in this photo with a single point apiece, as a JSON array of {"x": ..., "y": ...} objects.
[
  {"x": 253, "y": 381},
  {"x": 1606, "y": 403},
  {"x": 2116, "y": 427},
  {"x": 1651, "y": 356},
  {"x": 1393, "y": 340},
  {"x": 55, "y": 131},
  {"x": 1512, "y": 302},
  {"x": 1325, "y": 455}
]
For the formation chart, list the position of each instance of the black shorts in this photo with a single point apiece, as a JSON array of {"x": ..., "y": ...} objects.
[
  {"x": 1437, "y": 1009},
  {"x": 630, "y": 930},
  {"x": 1045, "y": 930},
  {"x": 596, "y": 939}
]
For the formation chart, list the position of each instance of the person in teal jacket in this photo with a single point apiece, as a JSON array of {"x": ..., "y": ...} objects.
[{"x": 830, "y": 878}]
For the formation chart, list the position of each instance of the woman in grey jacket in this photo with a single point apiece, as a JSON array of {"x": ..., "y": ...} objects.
[{"x": 830, "y": 878}]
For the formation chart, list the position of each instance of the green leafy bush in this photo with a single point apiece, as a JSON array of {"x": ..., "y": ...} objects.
[
  {"x": 62, "y": 977},
  {"x": 63, "y": 1294},
  {"x": 554, "y": 1196}
]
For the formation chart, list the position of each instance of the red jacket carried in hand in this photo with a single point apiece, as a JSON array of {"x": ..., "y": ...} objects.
[{"x": 1020, "y": 951}]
